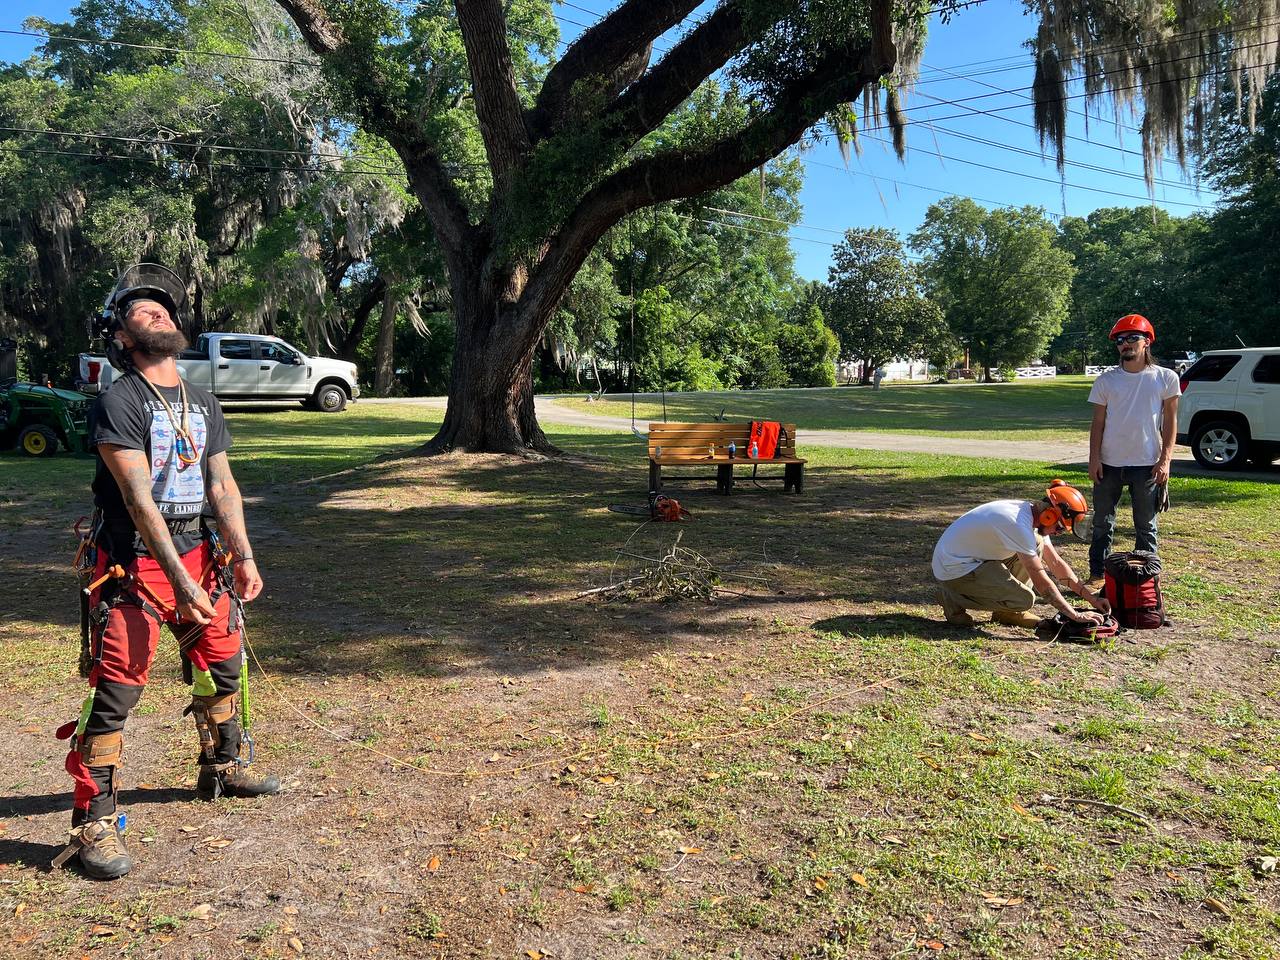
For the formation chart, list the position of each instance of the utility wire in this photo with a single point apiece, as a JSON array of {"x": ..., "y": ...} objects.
[
  {"x": 1032, "y": 176},
  {"x": 1108, "y": 48},
  {"x": 1094, "y": 143}
]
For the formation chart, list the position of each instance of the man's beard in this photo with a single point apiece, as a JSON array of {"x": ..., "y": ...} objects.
[{"x": 161, "y": 343}]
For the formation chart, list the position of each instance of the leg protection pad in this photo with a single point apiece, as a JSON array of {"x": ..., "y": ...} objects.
[
  {"x": 102, "y": 749},
  {"x": 209, "y": 712}
]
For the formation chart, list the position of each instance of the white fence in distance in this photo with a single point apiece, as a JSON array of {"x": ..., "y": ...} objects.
[{"x": 1031, "y": 373}]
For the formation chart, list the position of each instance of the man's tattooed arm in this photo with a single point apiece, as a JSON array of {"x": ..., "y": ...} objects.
[
  {"x": 133, "y": 475},
  {"x": 228, "y": 509}
]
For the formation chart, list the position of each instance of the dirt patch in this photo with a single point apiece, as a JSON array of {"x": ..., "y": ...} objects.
[{"x": 479, "y": 763}]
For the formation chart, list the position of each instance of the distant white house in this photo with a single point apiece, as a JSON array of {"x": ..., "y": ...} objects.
[{"x": 850, "y": 371}]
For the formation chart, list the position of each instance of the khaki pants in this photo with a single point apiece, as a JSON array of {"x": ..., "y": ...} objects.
[{"x": 996, "y": 585}]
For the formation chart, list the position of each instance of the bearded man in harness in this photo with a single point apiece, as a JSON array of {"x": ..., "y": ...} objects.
[{"x": 162, "y": 476}]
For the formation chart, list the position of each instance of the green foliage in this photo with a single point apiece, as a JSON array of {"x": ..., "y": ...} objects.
[
  {"x": 808, "y": 349},
  {"x": 1002, "y": 283},
  {"x": 876, "y": 304},
  {"x": 1131, "y": 261}
]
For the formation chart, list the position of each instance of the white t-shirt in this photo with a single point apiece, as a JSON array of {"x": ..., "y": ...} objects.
[
  {"x": 993, "y": 531},
  {"x": 1135, "y": 407}
]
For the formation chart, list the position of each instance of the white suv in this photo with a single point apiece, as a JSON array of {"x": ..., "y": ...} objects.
[{"x": 1230, "y": 407}]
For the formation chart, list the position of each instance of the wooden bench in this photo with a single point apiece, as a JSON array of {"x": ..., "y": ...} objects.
[{"x": 692, "y": 444}]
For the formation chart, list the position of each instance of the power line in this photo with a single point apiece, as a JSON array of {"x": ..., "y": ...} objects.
[
  {"x": 163, "y": 49},
  {"x": 918, "y": 186},
  {"x": 1031, "y": 176},
  {"x": 1094, "y": 143},
  {"x": 148, "y": 141},
  {"x": 180, "y": 161},
  {"x": 1071, "y": 163},
  {"x": 1108, "y": 48},
  {"x": 1022, "y": 106},
  {"x": 1021, "y": 92}
]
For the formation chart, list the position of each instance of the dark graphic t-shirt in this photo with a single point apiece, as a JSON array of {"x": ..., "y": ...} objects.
[{"x": 129, "y": 415}]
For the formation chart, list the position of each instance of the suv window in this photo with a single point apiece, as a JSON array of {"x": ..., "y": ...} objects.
[
  {"x": 1211, "y": 369},
  {"x": 1268, "y": 369},
  {"x": 278, "y": 352},
  {"x": 236, "y": 349}
]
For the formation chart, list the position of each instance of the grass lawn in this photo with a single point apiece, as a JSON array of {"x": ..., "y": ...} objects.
[
  {"x": 1023, "y": 410},
  {"x": 481, "y": 763}
]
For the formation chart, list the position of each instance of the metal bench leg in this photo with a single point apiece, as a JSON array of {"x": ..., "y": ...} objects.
[
  {"x": 724, "y": 478},
  {"x": 655, "y": 477},
  {"x": 793, "y": 478}
]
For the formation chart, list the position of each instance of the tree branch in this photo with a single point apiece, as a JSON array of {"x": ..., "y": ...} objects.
[
  {"x": 493, "y": 80},
  {"x": 652, "y": 98},
  {"x": 673, "y": 174},
  {"x": 616, "y": 50},
  {"x": 380, "y": 113}
]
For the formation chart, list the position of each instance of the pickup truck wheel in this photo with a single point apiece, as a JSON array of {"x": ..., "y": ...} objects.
[
  {"x": 330, "y": 398},
  {"x": 38, "y": 442},
  {"x": 1220, "y": 445}
]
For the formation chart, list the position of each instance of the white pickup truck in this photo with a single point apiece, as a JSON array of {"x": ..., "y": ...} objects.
[{"x": 246, "y": 366}]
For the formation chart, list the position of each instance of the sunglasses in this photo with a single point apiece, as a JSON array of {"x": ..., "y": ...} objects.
[{"x": 1130, "y": 338}]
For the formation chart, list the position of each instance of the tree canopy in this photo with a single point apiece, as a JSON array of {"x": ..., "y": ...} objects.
[{"x": 1001, "y": 281}]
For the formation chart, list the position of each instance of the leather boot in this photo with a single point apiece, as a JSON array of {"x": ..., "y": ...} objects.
[
  {"x": 102, "y": 850},
  {"x": 1016, "y": 618},
  {"x": 233, "y": 780}
]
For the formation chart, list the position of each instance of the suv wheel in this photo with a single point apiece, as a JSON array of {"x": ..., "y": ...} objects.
[
  {"x": 331, "y": 398},
  {"x": 1220, "y": 445}
]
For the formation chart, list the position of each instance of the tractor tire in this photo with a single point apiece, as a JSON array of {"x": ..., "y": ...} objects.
[
  {"x": 1220, "y": 445},
  {"x": 330, "y": 398},
  {"x": 38, "y": 441}
]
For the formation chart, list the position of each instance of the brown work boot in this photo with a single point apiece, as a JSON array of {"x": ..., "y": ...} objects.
[
  {"x": 102, "y": 850},
  {"x": 1016, "y": 618},
  {"x": 959, "y": 618},
  {"x": 234, "y": 780}
]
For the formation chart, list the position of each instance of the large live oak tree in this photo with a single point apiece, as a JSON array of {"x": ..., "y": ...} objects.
[{"x": 562, "y": 163}]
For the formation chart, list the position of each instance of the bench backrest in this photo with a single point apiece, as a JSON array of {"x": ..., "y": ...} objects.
[{"x": 692, "y": 439}]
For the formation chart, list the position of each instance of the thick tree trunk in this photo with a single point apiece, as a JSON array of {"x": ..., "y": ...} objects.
[
  {"x": 491, "y": 382},
  {"x": 384, "y": 362}
]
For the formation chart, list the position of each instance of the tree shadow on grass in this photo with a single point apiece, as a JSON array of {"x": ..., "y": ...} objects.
[{"x": 448, "y": 566}]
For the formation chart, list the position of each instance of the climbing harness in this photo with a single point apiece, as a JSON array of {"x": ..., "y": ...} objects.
[{"x": 1062, "y": 629}]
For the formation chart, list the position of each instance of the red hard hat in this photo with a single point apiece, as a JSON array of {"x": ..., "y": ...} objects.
[{"x": 1133, "y": 323}]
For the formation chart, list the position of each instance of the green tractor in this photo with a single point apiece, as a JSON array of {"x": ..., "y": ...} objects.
[{"x": 37, "y": 418}]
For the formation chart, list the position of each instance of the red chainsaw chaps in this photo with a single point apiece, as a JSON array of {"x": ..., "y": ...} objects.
[{"x": 85, "y": 789}]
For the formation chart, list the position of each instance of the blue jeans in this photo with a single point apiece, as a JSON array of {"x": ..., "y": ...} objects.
[{"x": 1106, "y": 496}]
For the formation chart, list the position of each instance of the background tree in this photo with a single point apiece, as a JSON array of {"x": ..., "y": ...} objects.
[
  {"x": 875, "y": 302},
  {"x": 1131, "y": 261},
  {"x": 235, "y": 170},
  {"x": 1002, "y": 283},
  {"x": 1236, "y": 288},
  {"x": 808, "y": 348}
]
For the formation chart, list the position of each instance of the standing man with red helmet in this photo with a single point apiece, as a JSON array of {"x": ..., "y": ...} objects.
[
  {"x": 998, "y": 556},
  {"x": 162, "y": 483},
  {"x": 1135, "y": 422}
]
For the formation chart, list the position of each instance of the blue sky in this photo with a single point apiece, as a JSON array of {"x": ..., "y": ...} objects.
[{"x": 979, "y": 50}]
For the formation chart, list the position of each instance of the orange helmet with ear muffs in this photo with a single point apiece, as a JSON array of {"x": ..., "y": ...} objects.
[{"x": 1066, "y": 506}]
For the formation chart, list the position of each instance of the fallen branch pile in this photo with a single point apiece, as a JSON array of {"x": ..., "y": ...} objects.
[{"x": 680, "y": 574}]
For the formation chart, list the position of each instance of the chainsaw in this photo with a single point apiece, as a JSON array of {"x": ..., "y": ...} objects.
[{"x": 662, "y": 508}]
